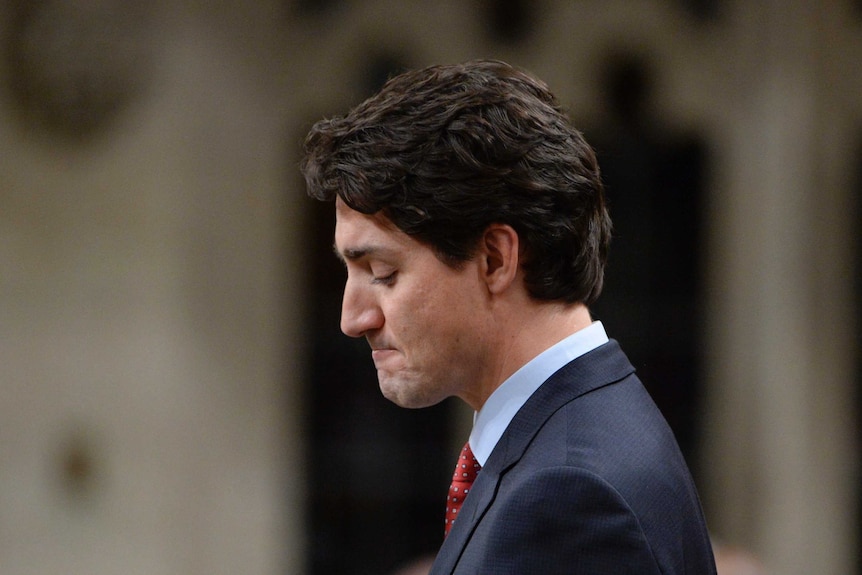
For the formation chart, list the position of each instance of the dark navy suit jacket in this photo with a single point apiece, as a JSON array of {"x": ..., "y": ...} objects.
[{"x": 587, "y": 479}]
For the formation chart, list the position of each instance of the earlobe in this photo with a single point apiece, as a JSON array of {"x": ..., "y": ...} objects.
[{"x": 500, "y": 254}]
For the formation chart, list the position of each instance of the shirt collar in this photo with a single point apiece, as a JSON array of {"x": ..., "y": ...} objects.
[{"x": 494, "y": 417}]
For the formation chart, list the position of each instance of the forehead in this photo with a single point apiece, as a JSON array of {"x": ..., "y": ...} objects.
[{"x": 358, "y": 235}]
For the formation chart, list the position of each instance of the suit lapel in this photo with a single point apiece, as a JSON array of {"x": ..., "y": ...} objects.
[{"x": 602, "y": 366}]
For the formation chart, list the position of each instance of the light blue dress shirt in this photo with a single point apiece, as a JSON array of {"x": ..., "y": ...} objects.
[{"x": 494, "y": 417}]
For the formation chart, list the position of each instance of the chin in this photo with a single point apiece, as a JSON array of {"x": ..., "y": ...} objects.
[{"x": 407, "y": 396}]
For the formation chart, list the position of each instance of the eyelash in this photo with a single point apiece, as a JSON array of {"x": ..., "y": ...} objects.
[{"x": 386, "y": 280}]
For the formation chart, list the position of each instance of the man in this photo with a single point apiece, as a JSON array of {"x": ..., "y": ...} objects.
[{"x": 471, "y": 220}]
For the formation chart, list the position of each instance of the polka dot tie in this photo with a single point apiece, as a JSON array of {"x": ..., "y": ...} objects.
[{"x": 465, "y": 473}]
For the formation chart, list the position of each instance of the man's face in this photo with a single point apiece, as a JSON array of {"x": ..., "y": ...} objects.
[{"x": 422, "y": 319}]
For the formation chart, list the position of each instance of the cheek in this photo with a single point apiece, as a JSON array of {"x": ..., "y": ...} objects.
[
  {"x": 438, "y": 315},
  {"x": 426, "y": 323},
  {"x": 452, "y": 319}
]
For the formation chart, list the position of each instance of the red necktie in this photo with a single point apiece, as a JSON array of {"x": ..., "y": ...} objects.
[{"x": 465, "y": 474}]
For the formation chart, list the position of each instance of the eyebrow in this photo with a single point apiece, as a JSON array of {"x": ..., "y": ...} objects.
[{"x": 353, "y": 254}]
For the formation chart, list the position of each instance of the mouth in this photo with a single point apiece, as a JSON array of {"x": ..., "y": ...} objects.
[
  {"x": 381, "y": 355},
  {"x": 381, "y": 352}
]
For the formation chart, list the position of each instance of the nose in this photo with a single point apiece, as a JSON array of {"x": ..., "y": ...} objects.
[{"x": 360, "y": 313}]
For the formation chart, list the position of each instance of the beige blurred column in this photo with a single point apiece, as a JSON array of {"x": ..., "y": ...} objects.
[
  {"x": 779, "y": 444},
  {"x": 150, "y": 343}
]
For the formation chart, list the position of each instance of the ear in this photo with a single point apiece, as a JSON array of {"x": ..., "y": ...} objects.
[{"x": 499, "y": 253}]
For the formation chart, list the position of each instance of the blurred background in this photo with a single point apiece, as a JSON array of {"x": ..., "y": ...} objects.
[{"x": 175, "y": 394}]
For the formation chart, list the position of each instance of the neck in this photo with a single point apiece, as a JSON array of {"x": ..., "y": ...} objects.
[{"x": 523, "y": 336}]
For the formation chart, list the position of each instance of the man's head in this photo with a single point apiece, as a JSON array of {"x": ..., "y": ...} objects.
[{"x": 445, "y": 152}]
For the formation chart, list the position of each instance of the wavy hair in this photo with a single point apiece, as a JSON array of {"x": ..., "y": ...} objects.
[{"x": 445, "y": 151}]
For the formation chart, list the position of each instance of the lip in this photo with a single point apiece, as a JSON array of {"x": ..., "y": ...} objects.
[{"x": 381, "y": 355}]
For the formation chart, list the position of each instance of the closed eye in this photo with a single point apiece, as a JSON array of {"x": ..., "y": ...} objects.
[{"x": 384, "y": 280}]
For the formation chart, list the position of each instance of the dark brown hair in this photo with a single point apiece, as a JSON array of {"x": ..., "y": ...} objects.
[{"x": 445, "y": 151}]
